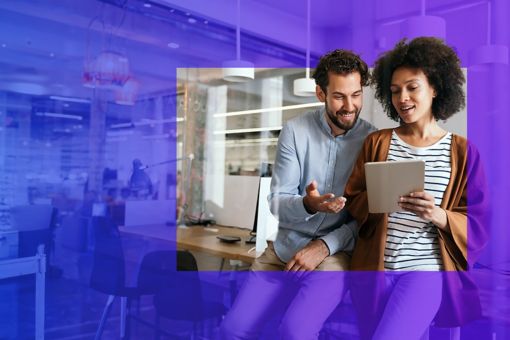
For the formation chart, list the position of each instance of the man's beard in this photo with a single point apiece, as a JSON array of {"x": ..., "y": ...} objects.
[{"x": 334, "y": 119}]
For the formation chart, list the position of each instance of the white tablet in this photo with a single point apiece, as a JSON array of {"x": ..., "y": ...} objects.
[{"x": 387, "y": 181}]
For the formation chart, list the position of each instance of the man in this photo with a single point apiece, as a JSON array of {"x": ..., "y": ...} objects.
[{"x": 316, "y": 153}]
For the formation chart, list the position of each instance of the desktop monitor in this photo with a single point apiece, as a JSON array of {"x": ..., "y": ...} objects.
[
  {"x": 266, "y": 224},
  {"x": 235, "y": 206}
]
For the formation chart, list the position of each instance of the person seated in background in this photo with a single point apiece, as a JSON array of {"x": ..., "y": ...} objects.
[
  {"x": 414, "y": 260},
  {"x": 140, "y": 183}
]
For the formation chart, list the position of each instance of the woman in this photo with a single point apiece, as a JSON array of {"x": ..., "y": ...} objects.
[{"x": 418, "y": 83}]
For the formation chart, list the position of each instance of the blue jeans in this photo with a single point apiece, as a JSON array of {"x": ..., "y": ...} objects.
[
  {"x": 303, "y": 303},
  {"x": 413, "y": 299}
]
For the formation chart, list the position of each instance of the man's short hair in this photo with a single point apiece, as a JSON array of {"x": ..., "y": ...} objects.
[{"x": 340, "y": 62}]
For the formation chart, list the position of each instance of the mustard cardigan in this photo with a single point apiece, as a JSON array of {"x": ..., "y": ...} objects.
[{"x": 465, "y": 203}]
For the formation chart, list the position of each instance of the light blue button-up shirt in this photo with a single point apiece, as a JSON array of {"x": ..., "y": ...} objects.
[{"x": 308, "y": 151}]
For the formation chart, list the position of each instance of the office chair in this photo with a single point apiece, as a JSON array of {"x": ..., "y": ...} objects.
[
  {"x": 181, "y": 299},
  {"x": 108, "y": 273},
  {"x": 108, "y": 268},
  {"x": 34, "y": 225},
  {"x": 157, "y": 271}
]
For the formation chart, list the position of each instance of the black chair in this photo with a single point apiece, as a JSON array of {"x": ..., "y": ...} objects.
[
  {"x": 157, "y": 273},
  {"x": 108, "y": 269},
  {"x": 108, "y": 273},
  {"x": 35, "y": 224},
  {"x": 182, "y": 298}
]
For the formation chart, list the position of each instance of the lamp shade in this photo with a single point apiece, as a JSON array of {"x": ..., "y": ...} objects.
[
  {"x": 111, "y": 69},
  {"x": 126, "y": 95},
  {"x": 424, "y": 26},
  {"x": 488, "y": 54},
  {"x": 304, "y": 87},
  {"x": 238, "y": 70},
  {"x": 108, "y": 71}
]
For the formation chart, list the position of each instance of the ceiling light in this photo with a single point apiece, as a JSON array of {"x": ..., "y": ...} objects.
[
  {"x": 126, "y": 95},
  {"x": 58, "y": 115},
  {"x": 489, "y": 53},
  {"x": 71, "y": 99},
  {"x": 110, "y": 69},
  {"x": 269, "y": 109},
  {"x": 305, "y": 87},
  {"x": 274, "y": 128},
  {"x": 424, "y": 25},
  {"x": 173, "y": 45},
  {"x": 238, "y": 70}
]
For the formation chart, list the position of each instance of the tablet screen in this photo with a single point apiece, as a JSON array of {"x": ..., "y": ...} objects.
[{"x": 387, "y": 181}]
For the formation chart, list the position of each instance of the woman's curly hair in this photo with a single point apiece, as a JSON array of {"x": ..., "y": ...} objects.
[
  {"x": 436, "y": 60},
  {"x": 340, "y": 62}
]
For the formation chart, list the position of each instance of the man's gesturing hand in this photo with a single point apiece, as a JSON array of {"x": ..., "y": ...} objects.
[{"x": 315, "y": 202}]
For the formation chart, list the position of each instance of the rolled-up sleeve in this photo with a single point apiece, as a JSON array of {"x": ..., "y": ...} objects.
[{"x": 342, "y": 239}]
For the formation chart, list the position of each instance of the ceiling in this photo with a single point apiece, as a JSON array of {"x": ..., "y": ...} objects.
[{"x": 43, "y": 45}]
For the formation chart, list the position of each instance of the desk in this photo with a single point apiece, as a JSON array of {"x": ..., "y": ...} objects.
[{"x": 200, "y": 239}]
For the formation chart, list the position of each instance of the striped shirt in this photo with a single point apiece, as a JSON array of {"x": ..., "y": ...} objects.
[{"x": 411, "y": 242}]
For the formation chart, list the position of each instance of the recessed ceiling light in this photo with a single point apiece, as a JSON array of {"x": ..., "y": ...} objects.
[
  {"x": 52, "y": 54},
  {"x": 192, "y": 21},
  {"x": 4, "y": 45},
  {"x": 173, "y": 45},
  {"x": 188, "y": 13},
  {"x": 172, "y": 10},
  {"x": 148, "y": 5},
  {"x": 206, "y": 22}
]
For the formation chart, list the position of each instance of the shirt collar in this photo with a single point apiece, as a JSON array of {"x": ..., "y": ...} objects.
[{"x": 322, "y": 118}]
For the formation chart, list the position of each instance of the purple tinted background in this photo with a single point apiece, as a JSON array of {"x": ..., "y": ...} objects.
[{"x": 370, "y": 27}]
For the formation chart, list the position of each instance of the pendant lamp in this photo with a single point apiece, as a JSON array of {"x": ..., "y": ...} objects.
[
  {"x": 238, "y": 70},
  {"x": 489, "y": 53},
  {"x": 305, "y": 87},
  {"x": 424, "y": 26}
]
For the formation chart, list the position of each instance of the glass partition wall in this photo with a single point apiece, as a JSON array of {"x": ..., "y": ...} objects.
[{"x": 232, "y": 128}]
